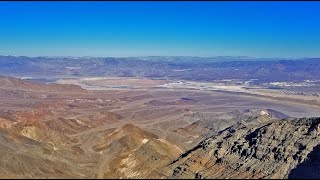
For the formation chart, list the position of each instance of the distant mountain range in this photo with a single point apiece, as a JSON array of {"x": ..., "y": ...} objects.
[{"x": 164, "y": 67}]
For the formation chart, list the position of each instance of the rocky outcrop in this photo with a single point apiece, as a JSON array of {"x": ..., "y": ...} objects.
[
  {"x": 310, "y": 168},
  {"x": 267, "y": 150},
  {"x": 207, "y": 125}
]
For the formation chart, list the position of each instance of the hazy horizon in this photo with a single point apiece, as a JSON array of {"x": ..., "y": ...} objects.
[{"x": 241, "y": 57}]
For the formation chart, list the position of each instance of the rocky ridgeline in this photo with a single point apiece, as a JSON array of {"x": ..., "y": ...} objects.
[{"x": 267, "y": 150}]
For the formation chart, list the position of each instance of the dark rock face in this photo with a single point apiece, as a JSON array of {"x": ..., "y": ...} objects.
[{"x": 310, "y": 168}]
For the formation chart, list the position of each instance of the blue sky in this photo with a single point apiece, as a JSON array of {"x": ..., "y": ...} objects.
[{"x": 258, "y": 29}]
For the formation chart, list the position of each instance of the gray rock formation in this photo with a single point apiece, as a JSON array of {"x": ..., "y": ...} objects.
[{"x": 267, "y": 150}]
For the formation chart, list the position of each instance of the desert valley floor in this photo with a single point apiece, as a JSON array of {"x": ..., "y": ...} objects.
[{"x": 139, "y": 128}]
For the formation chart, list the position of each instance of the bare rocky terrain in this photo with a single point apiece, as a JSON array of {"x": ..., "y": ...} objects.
[
  {"x": 267, "y": 150},
  {"x": 140, "y": 127}
]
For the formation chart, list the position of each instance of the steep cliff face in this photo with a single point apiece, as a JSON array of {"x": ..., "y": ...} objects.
[
  {"x": 267, "y": 150},
  {"x": 309, "y": 169}
]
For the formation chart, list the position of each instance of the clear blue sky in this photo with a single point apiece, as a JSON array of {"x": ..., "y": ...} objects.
[{"x": 259, "y": 29}]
